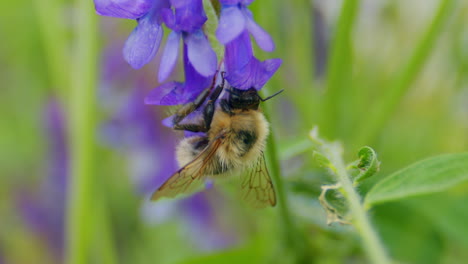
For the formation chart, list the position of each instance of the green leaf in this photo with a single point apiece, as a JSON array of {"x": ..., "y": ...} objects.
[
  {"x": 368, "y": 164},
  {"x": 322, "y": 160},
  {"x": 428, "y": 176},
  {"x": 292, "y": 148},
  {"x": 422, "y": 244},
  {"x": 447, "y": 213}
]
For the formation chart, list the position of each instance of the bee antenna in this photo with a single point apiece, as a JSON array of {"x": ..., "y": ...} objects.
[{"x": 271, "y": 96}]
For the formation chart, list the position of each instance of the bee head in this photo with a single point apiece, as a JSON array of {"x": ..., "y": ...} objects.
[
  {"x": 246, "y": 99},
  {"x": 243, "y": 99}
]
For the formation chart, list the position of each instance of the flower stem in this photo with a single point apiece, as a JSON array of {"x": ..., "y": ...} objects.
[
  {"x": 372, "y": 244},
  {"x": 210, "y": 28},
  {"x": 54, "y": 40},
  {"x": 274, "y": 169},
  {"x": 83, "y": 127},
  {"x": 290, "y": 233}
]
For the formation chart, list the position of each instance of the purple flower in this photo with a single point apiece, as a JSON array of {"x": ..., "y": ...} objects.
[
  {"x": 144, "y": 41},
  {"x": 243, "y": 69},
  {"x": 235, "y": 19},
  {"x": 44, "y": 210},
  {"x": 136, "y": 130},
  {"x": 131, "y": 9},
  {"x": 186, "y": 23},
  {"x": 201, "y": 212},
  {"x": 174, "y": 93}
]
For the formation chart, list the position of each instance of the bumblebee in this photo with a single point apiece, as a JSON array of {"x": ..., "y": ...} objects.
[{"x": 235, "y": 135}]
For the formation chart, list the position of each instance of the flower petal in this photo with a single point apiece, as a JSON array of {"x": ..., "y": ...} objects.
[
  {"x": 229, "y": 2},
  {"x": 180, "y": 3},
  {"x": 238, "y": 52},
  {"x": 200, "y": 53},
  {"x": 263, "y": 39},
  {"x": 190, "y": 16},
  {"x": 195, "y": 82},
  {"x": 231, "y": 24},
  {"x": 268, "y": 68},
  {"x": 255, "y": 74},
  {"x": 131, "y": 9},
  {"x": 171, "y": 93},
  {"x": 168, "y": 17},
  {"x": 168, "y": 121},
  {"x": 246, "y": 2},
  {"x": 169, "y": 57},
  {"x": 143, "y": 42}
]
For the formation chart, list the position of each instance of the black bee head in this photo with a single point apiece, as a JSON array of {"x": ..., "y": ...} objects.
[
  {"x": 246, "y": 99},
  {"x": 243, "y": 99}
]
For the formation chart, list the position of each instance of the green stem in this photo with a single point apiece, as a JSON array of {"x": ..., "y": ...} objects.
[
  {"x": 291, "y": 235},
  {"x": 274, "y": 169},
  {"x": 339, "y": 69},
  {"x": 103, "y": 233},
  {"x": 54, "y": 41},
  {"x": 83, "y": 127},
  {"x": 210, "y": 28},
  {"x": 372, "y": 244},
  {"x": 395, "y": 91}
]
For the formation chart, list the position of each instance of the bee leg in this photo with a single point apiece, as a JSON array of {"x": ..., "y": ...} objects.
[
  {"x": 226, "y": 107},
  {"x": 208, "y": 111},
  {"x": 191, "y": 127},
  {"x": 210, "y": 107},
  {"x": 187, "y": 109}
]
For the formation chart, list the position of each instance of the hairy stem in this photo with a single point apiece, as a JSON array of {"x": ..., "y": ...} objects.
[
  {"x": 372, "y": 244},
  {"x": 83, "y": 127}
]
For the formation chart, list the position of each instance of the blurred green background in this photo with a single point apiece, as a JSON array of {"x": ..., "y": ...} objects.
[{"x": 387, "y": 74}]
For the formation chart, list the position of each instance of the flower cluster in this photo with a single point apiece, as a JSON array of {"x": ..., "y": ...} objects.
[{"x": 186, "y": 19}]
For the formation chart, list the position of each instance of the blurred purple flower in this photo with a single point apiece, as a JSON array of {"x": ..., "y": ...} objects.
[
  {"x": 174, "y": 93},
  {"x": 144, "y": 41},
  {"x": 201, "y": 211},
  {"x": 243, "y": 69},
  {"x": 44, "y": 211},
  {"x": 186, "y": 23},
  {"x": 136, "y": 130},
  {"x": 235, "y": 19}
]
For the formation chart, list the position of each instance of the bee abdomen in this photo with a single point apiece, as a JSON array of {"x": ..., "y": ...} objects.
[{"x": 219, "y": 167}]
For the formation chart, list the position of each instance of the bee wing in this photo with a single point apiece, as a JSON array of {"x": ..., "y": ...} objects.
[
  {"x": 257, "y": 187},
  {"x": 191, "y": 176}
]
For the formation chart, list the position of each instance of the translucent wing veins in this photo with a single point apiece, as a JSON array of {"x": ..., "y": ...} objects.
[
  {"x": 257, "y": 187},
  {"x": 191, "y": 176}
]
